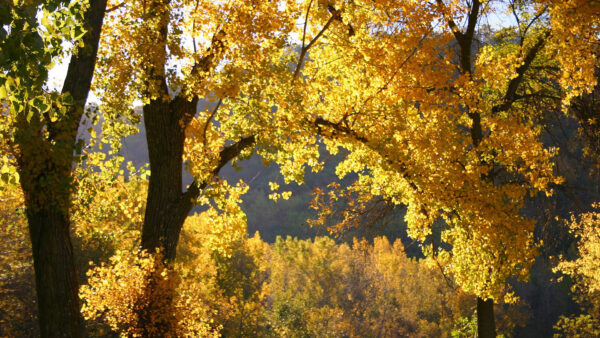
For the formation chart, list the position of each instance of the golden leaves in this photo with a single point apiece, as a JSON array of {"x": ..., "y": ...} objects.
[
  {"x": 586, "y": 268},
  {"x": 404, "y": 116},
  {"x": 134, "y": 284},
  {"x": 383, "y": 75},
  {"x": 585, "y": 272}
]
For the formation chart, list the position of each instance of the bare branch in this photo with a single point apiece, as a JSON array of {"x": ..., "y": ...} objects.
[
  {"x": 227, "y": 154},
  {"x": 455, "y": 30},
  {"x": 115, "y": 7},
  {"x": 535, "y": 18},
  {"x": 305, "y": 23}
]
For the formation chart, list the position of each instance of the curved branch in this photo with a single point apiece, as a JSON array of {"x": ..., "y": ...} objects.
[
  {"x": 511, "y": 92},
  {"x": 312, "y": 42},
  {"x": 227, "y": 154}
]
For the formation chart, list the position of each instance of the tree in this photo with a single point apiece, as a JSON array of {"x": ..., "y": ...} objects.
[
  {"x": 441, "y": 121},
  {"x": 320, "y": 288},
  {"x": 172, "y": 61},
  {"x": 430, "y": 117},
  {"x": 175, "y": 53},
  {"x": 40, "y": 128},
  {"x": 212, "y": 288}
]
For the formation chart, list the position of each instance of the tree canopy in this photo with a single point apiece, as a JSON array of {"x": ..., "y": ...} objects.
[{"x": 430, "y": 105}]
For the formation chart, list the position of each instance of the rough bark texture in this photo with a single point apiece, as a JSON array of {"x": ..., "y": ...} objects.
[
  {"x": 165, "y": 213},
  {"x": 167, "y": 206},
  {"x": 55, "y": 273},
  {"x": 166, "y": 120},
  {"x": 486, "y": 326},
  {"x": 45, "y": 168}
]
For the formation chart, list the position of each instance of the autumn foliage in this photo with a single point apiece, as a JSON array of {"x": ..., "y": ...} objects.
[
  {"x": 248, "y": 287},
  {"x": 427, "y": 106},
  {"x": 585, "y": 272}
]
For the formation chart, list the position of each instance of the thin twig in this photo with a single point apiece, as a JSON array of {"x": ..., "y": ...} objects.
[
  {"x": 194, "y": 28},
  {"x": 212, "y": 114},
  {"x": 312, "y": 42},
  {"x": 535, "y": 18},
  {"x": 115, "y": 7},
  {"x": 306, "y": 23}
]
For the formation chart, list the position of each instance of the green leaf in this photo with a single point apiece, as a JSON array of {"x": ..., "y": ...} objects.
[
  {"x": 77, "y": 33},
  {"x": 44, "y": 19},
  {"x": 29, "y": 115},
  {"x": 68, "y": 99},
  {"x": 44, "y": 107}
]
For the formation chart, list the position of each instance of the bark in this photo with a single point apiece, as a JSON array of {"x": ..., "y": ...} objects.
[
  {"x": 44, "y": 164},
  {"x": 165, "y": 212},
  {"x": 486, "y": 326},
  {"x": 55, "y": 273},
  {"x": 167, "y": 206}
]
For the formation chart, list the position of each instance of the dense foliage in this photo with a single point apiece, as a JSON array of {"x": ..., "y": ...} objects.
[{"x": 427, "y": 106}]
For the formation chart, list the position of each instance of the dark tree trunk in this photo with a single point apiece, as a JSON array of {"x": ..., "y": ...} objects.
[
  {"x": 44, "y": 164},
  {"x": 165, "y": 210},
  {"x": 55, "y": 273},
  {"x": 45, "y": 180},
  {"x": 167, "y": 205},
  {"x": 486, "y": 326}
]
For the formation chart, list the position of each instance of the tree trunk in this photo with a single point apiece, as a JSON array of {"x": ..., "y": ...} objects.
[
  {"x": 45, "y": 167},
  {"x": 55, "y": 273},
  {"x": 167, "y": 206},
  {"x": 165, "y": 212},
  {"x": 486, "y": 326}
]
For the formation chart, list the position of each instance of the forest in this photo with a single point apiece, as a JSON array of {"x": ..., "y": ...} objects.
[{"x": 299, "y": 168}]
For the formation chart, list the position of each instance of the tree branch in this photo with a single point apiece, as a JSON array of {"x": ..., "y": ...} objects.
[
  {"x": 212, "y": 114},
  {"x": 306, "y": 23},
  {"x": 311, "y": 43},
  {"x": 81, "y": 67},
  {"x": 216, "y": 47},
  {"x": 115, "y": 7},
  {"x": 473, "y": 16},
  {"x": 455, "y": 30},
  {"x": 511, "y": 92},
  {"x": 226, "y": 154}
]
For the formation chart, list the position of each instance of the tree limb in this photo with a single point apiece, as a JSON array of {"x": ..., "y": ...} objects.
[
  {"x": 227, "y": 154},
  {"x": 511, "y": 92}
]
